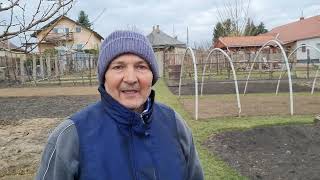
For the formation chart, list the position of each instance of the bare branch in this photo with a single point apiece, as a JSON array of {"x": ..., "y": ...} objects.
[
  {"x": 13, "y": 4},
  {"x": 53, "y": 10},
  {"x": 237, "y": 11},
  {"x": 10, "y": 23}
]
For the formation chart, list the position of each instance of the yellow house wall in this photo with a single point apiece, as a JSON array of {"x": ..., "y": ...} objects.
[
  {"x": 85, "y": 37},
  {"x": 42, "y": 47}
]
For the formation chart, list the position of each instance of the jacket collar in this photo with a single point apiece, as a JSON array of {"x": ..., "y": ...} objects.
[{"x": 124, "y": 116}]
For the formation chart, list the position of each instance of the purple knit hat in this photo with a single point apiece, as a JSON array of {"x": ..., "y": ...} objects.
[{"x": 123, "y": 42}]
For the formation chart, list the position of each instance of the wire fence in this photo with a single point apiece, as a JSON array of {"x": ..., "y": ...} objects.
[
  {"x": 48, "y": 69},
  {"x": 267, "y": 66},
  {"x": 81, "y": 68}
]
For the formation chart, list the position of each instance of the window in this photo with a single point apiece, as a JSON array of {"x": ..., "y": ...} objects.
[
  {"x": 303, "y": 48},
  {"x": 55, "y": 30},
  {"x": 78, "y": 29},
  {"x": 66, "y": 30},
  {"x": 60, "y": 30},
  {"x": 79, "y": 46}
]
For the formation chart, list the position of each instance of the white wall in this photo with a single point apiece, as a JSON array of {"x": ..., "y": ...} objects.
[{"x": 315, "y": 42}]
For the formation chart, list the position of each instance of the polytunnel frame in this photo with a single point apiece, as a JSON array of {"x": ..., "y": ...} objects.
[
  {"x": 233, "y": 72},
  {"x": 195, "y": 79},
  {"x": 288, "y": 70},
  {"x": 315, "y": 78}
]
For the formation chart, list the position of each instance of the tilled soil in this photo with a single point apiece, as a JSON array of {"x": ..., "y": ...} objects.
[
  {"x": 16, "y": 108},
  {"x": 268, "y": 153},
  {"x": 25, "y": 124},
  {"x": 21, "y": 145},
  {"x": 228, "y": 87},
  {"x": 253, "y": 105}
]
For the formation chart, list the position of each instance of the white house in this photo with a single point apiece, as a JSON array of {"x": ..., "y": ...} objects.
[{"x": 305, "y": 31}]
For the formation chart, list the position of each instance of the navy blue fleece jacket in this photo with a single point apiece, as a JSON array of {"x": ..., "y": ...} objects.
[{"x": 108, "y": 141}]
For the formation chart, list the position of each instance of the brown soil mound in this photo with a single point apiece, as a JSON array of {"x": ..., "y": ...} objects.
[{"x": 279, "y": 152}]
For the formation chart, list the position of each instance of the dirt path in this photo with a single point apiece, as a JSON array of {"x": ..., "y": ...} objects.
[{"x": 281, "y": 152}]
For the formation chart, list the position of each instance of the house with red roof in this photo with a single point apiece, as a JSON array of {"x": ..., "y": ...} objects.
[
  {"x": 305, "y": 31},
  {"x": 242, "y": 43}
]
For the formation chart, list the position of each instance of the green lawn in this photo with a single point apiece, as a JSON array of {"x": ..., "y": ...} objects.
[{"x": 214, "y": 167}]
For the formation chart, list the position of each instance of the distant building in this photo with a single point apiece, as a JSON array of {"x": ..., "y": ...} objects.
[
  {"x": 242, "y": 43},
  {"x": 166, "y": 46},
  {"x": 64, "y": 33},
  {"x": 301, "y": 32},
  {"x": 161, "y": 41},
  {"x": 9, "y": 54},
  {"x": 9, "y": 46},
  {"x": 291, "y": 35}
]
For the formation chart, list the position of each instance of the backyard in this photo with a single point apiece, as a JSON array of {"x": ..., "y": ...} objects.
[{"x": 268, "y": 146}]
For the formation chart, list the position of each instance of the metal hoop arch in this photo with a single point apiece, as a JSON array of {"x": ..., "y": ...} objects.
[
  {"x": 315, "y": 78},
  {"x": 195, "y": 79},
  {"x": 288, "y": 70},
  {"x": 233, "y": 72}
]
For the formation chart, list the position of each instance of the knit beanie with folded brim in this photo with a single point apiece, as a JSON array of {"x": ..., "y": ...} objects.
[{"x": 126, "y": 42}]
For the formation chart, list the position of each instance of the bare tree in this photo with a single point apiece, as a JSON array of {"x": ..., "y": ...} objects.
[
  {"x": 237, "y": 13},
  {"x": 18, "y": 20}
]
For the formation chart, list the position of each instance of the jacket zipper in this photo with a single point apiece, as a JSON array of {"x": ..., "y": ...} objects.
[
  {"x": 132, "y": 154},
  {"x": 152, "y": 158}
]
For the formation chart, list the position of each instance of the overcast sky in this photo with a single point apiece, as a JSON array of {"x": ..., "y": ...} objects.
[{"x": 174, "y": 16}]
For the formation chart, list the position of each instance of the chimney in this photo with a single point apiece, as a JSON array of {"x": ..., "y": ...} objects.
[
  {"x": 153, "y": 28},
  {"x": 158, "y": 29}
]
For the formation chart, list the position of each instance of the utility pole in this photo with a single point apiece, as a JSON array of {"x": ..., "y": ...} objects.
[
  {"x": 187, "y": 36},
  {"x": 173, "y": 32}
]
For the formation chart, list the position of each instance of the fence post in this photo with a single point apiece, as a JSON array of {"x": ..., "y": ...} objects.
[
  {"x": 90, "y": 57},
  {"x": 17, "y": 67},
  {"x": 217, "y": 64},
  {"x": 34, "y": 67},
  {"x": 228, "y": 71},
  {"x": 308, "y": 63},
  {"x": 41, "y": 66},
  {"x": 56, "y": 66},
  {"x": 6, "y": 71},
  {"x": 12, "y": 66},
  {"x": 260, "y": 65},
  {"x": 271, "y": 69},
  {"x": 22, "y": 73},
  {"x": 61, "y": 64},
  {"x": 48, "y": 62}
]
